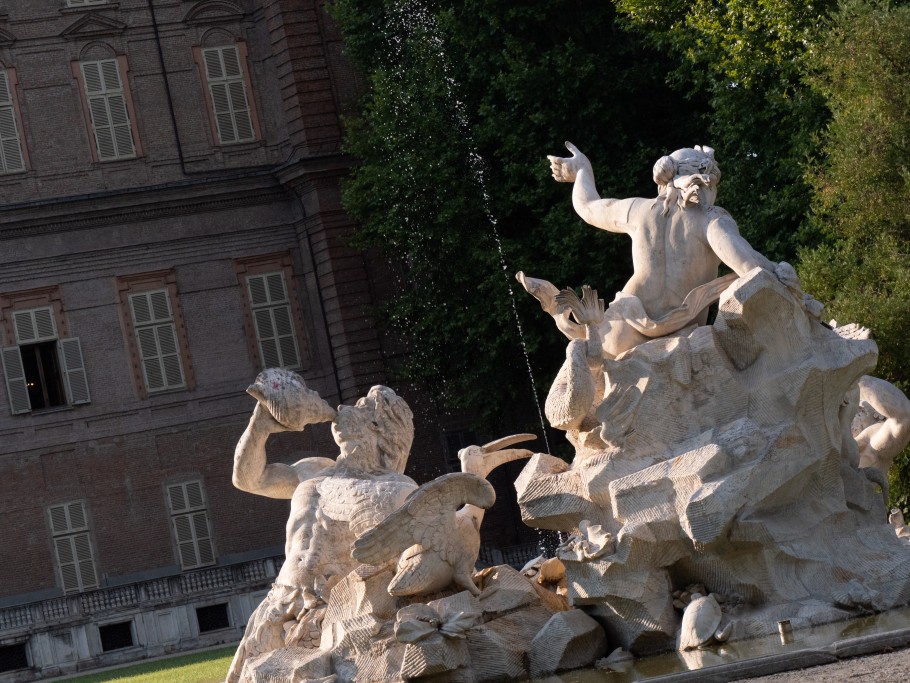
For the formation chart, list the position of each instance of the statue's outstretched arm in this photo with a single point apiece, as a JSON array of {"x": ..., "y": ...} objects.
[
  {"x": 251, "y": 471},
  {"x": 606, "y": 214}
]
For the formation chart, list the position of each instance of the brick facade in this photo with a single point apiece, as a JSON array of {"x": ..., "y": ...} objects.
[{"x": 194, "y": 210}]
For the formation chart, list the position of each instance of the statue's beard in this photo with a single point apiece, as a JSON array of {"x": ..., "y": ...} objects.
[{"x": 689, "y": 187}]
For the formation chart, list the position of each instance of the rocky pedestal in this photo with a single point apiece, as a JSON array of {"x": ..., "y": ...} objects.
[
  {"x": 736, "y": 474},
  {"x": 367, "y": 635}
]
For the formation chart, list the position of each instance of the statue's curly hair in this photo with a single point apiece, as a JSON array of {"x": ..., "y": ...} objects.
[{"x": 394, "y": 422}]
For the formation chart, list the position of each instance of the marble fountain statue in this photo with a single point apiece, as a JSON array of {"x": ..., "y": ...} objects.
[{"x": 726, "y": 477}]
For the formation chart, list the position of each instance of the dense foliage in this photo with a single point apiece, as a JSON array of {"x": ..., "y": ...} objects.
[
  {"x": 862, "y": 191},
  {"x": 463, "y": 101},
  {"x": 747, "y": 57},
  {"x": 806, "y": 103}
]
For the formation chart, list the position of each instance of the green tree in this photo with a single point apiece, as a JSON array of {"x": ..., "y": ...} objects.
[
  {"x": 748, "y": 57},
  {"x": 462, "y": 103},
  {"x": 862, "y": 188}
]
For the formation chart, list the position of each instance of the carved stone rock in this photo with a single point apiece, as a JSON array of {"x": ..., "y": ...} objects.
[{"x": 569, "y": 640}]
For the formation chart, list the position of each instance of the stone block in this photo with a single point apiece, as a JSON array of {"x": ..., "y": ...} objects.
[{"x": 569, "y": 640}]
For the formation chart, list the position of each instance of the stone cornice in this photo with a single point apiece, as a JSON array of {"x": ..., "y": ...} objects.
[
  {"x": 91, "y": 211},
  {"x": 319, "y": 166}
]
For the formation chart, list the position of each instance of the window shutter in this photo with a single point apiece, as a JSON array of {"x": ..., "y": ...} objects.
[
  {"x": 76, "y": 562},
  {"x": 227, "y": 88},
  {"x": 15, "y": 381},
  {"x": 66, "y": 560},
  {"x": 159, "y": 349},
  {"x": 191, "y": 524},
  {"x": 107, "y": 105},
  {"x": 203, "y": 538},
  {"x": 59, "y": 519},
  {"x": 186, "y": 545},
  {"x": 177, "y": 498},
  {"x": 11, "y": 157},
  {"x": 35, "y": 325},
  {"x": 186, "y": 497},
  {"x": 73, "y": 545},
  {"x": 194, "y": 541},
  {"x": 273, "y": 320},
  {"x": 68, "y": 518},
  {"x": 194, "y": 497},
  {"x": 85, "y": 561},
  {"x": 160, "y": 305},
  {"x": 74, "y": 374}
]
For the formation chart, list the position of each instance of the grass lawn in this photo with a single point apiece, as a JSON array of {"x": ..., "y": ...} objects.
[{"x": 203, "y": 667}]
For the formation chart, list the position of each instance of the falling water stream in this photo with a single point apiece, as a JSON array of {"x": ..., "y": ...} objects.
[{"x": 412, "y": 14}]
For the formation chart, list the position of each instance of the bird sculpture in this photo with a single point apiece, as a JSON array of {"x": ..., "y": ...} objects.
[{"x": 435, "y": 534}]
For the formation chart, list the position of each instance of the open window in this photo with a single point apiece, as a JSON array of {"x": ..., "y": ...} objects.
[{"x": 42, "y": 370}]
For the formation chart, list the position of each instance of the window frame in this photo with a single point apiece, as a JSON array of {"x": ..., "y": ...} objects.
[
  {"x": 243, "y": 58},
  {"x": 262, "y": 265},
  {"x": 13, "y": 84},
  {"x": 76, "y": 4},
  {"x": 70, "y": 359},
  {"x": 128, "y": 285},
  {"x": 123, "y": 72}
]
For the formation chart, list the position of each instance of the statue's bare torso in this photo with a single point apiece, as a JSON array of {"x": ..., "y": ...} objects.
[{"x": 670, "y": 253}]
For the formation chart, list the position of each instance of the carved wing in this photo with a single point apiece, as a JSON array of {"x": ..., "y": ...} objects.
[{"x": 427, "y": 518}]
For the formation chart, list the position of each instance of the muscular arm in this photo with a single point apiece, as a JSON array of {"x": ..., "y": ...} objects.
[
  {"x": 606, "y": 214},
  {"x": 731, "y": 248},
  {"x": 274, "y": 480},
  {"x": 885, "y": 439}
]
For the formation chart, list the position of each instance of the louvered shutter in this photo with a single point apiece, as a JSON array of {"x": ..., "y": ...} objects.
[
  {"x": 73, "y": 546},
  {"x": 11, "y": 157},
  {"x": 227, "y": 88},
  {"x": 107, "y": 105},
  {"x": 74, "y": 371},
  {"x": 76, "y": 562},
  {"x": 191, "y": 525},
  {"x": 156, "y": 334},
  {"x": 66, "y": 560},
  {"x": 35, "y": 325},
  {"x": 15, "y": 381},
  {"x": 273, "y": 320}
]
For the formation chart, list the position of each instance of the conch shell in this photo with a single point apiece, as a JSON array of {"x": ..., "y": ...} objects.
[{"x": 288, "y": 399}]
